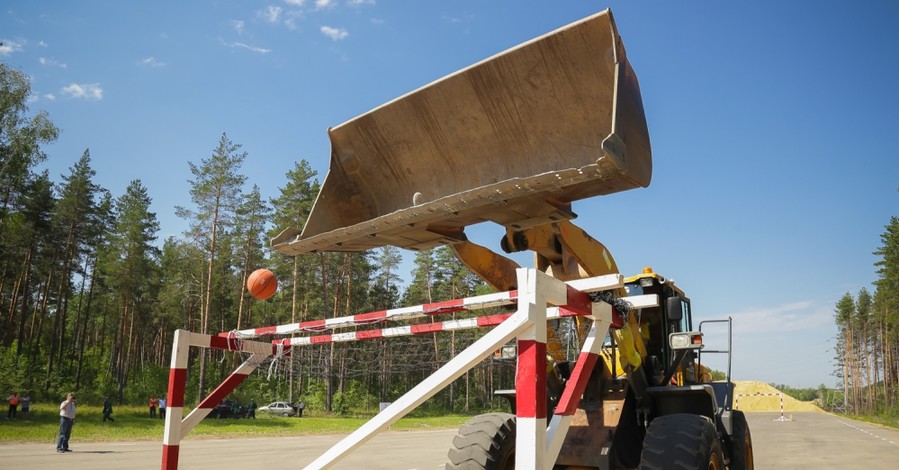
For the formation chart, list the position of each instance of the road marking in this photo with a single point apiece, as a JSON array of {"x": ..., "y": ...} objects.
[{"x": 868, "y": 433}]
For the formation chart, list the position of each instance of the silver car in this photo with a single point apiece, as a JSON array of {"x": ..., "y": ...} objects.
[{"x": 278, "y": 408}]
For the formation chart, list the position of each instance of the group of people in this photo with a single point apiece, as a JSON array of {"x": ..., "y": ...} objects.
[
  {"x": 157, "y": 403},
  {"x": 14, "y": 401}
]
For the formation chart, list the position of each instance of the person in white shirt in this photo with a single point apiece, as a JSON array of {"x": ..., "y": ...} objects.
[
  {"x": 162, "y": 404},
  {"x": 66, "y": 420}
]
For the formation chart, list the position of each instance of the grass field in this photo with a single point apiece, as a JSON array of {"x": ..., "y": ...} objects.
[{"x": 133, "y": 424}]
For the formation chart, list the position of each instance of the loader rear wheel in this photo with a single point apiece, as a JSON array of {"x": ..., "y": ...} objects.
[
  {"x": 485, "y": 442},
  {"x": 683, "y": 441},
  {"x": 741, "y": 444}
]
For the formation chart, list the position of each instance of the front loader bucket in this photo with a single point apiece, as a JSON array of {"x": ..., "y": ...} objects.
[{"x": 513, "y": 139}]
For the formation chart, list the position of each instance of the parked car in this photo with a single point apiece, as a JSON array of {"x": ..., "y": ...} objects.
[
  {"x": 228, "y": 409},
  {"x": 280, "y": 408}
]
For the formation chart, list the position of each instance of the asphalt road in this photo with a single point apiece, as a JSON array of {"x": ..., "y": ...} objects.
[{"x": 809, "y": 441}]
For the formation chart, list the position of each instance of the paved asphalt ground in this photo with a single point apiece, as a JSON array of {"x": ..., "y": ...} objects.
[{"x": 809, "y": 441}]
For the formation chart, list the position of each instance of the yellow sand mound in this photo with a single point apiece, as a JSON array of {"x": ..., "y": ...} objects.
[{"x": 768, "y": 400}]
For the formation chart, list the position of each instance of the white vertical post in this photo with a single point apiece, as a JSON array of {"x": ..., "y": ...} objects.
[{"x": 535, "y": 290}]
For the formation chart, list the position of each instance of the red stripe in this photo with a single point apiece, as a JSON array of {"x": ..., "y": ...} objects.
[
  {"x": 565, "y": 311},
  {"x": 448, "y": 306},
  {"x": 492, "y": 320},
  {"x": 578, "y": 301},
  {"x": 312, "y": 324},
  {"x": 227, "y": 386},
  {"x": 177, "y": 380},
  {"x": 426, "y": 328},
  {"x": 364, "y": 317},
  {"x": 169, "y": 457},
  {"x": 574, "y": 389},
  {"x": 369, "y": 334},
  {"x": 530, "y": 379},
  {"x": 220, "y": 342},
  {"x": 233, "y": 344},
  {"x": 320, "y": 339}
]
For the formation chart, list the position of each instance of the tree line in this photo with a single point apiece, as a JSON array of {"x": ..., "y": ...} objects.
[
  {"x": 867, "y": 348},
  {"x": 90, "y": 298}
]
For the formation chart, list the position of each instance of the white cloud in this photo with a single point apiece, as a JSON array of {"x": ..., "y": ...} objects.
[
  {"x": 50, "y": 97},
  {"x": 296, "y": 3},
  {"x": 7, "y": 47},
  {"x": 52, "y": 62},
  {"x": 334, "y": 33},
  {"x": 259, "y": 50},
  {"x": 152, "y": 62},
  {"x": 322, "y": 4},
  {"x": 355, "y": 3},
  {"x": 270, "y": 14},
  {"x": 86, "y": 91},
  {"x": 42, "y": 44},
  {"x": 238, "y": 26}
]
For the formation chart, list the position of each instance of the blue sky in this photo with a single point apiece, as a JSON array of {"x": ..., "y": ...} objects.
[{"x": 773, "y": 125}]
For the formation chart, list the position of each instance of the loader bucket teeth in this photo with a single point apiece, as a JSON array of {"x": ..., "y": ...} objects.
[{"x": 513, "y": 140}]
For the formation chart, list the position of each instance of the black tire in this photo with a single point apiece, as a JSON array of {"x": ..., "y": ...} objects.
[
  {"x": 682, "y": 441},
  {"x": 485, "y": 442},
  {"x": 285, "y": 414},
  {"x": 741, "y": 444}
]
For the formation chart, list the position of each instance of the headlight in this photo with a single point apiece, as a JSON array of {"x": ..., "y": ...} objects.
[{"x": 686, "y": 340}]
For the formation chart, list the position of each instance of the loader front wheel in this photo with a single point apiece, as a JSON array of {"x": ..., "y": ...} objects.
[
  {"x": 681, "y": 441},
  {"x": 741, "y": 444},
  {"x": 485, "y": 442}
]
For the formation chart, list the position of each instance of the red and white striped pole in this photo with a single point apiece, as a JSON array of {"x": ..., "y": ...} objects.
[
  {"x": 171, "y": 440},
  {"x": 530, "y": 374}
]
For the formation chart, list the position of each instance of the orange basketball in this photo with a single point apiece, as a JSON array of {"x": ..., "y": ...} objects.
[{"x": 262, "y": 284}]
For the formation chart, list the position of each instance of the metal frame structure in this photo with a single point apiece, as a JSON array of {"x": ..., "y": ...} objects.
[
  {"x": 539, "y": 297},
  {"x": 176, "y": 424}
]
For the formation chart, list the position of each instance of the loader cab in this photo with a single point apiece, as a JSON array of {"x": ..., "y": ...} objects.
[{"x": 672, "y": 315}]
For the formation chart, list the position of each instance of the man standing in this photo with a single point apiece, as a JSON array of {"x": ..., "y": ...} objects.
[
  {"x": 251, "y": 410},
  {"x": 66, "y": 420},
  {"x": 153, "y": 404},
  {"x": 162, "y": 407},
  {"x": 13, "y": 405},
  {"x": 107, "y": 410},
  {"x": 25, "y": 401}
]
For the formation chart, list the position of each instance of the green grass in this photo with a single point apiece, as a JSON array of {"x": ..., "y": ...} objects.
[
  {"x": 134, "y": 424},
  {"x": 888, "y": 420}
]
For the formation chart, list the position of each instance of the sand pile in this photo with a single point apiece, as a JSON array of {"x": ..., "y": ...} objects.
[{"x": 767, "y": 400}]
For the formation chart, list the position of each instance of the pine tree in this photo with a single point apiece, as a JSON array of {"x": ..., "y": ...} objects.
[
  {"x": 290, "y": 210},
  {"x": 887, "y": 308},
  {"x": 72, "y": 222},
  {"x": 215, "y": 191},
  {"x": 132, "y": 268},
  {"x": 252, "y": 215},
  {"x": 844, "y": 313}
]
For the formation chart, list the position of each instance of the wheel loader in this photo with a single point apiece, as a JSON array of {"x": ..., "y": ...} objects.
[{"x": 514, "y": 140}]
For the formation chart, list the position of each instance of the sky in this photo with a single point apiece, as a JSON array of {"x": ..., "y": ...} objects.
[{"x": 773, "y": 126}]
